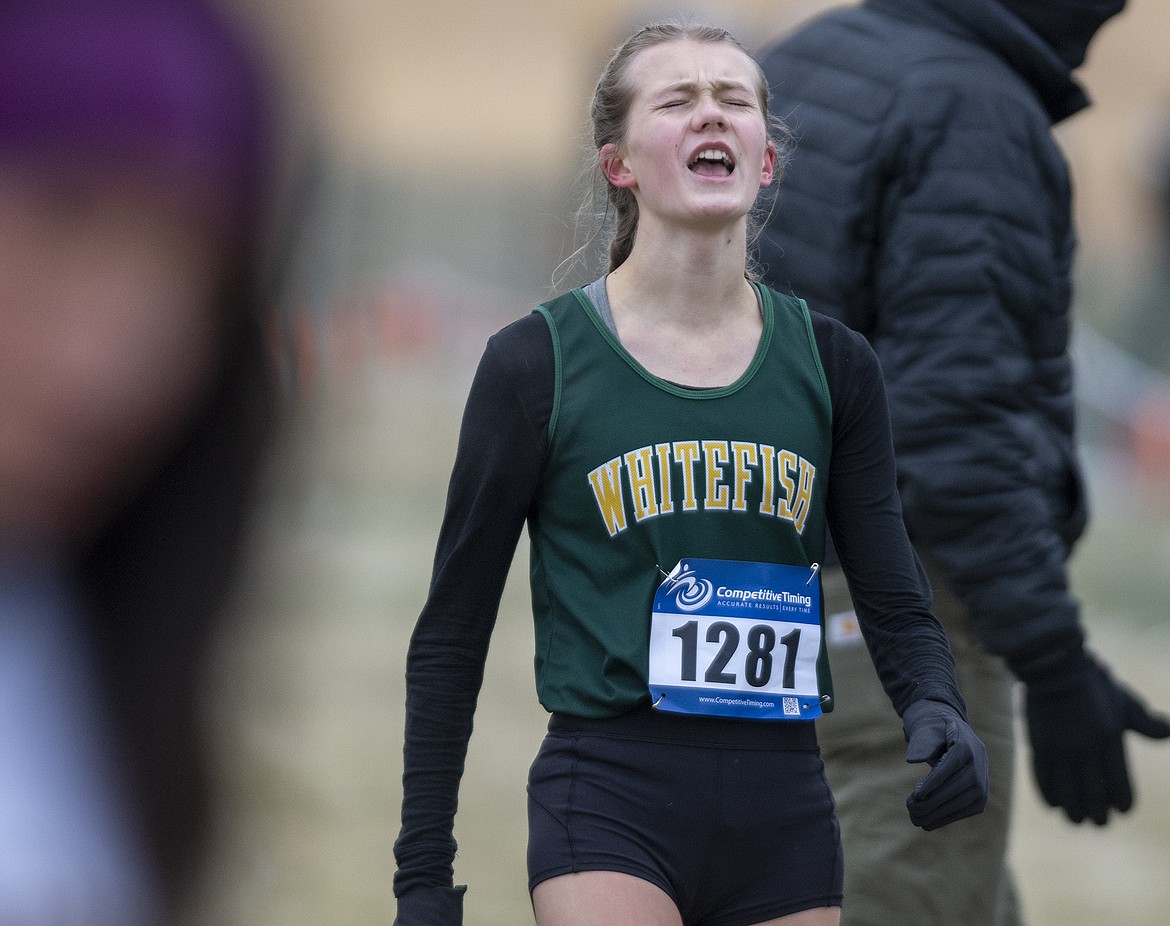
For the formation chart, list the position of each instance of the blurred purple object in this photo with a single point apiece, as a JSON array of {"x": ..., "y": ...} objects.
[{"x": 163, "y": 85}]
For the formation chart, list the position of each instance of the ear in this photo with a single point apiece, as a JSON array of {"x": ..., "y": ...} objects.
[
  {"x": 616, "y": 171},
  {"x": 768, "y": 173}
]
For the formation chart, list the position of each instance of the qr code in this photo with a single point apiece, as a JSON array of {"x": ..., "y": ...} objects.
[{"x": 792, "y": 707}]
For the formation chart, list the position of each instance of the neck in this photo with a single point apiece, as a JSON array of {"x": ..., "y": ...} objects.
[
  {"x": 684, "y": 310},
  {"x": 692, "y": 277}
]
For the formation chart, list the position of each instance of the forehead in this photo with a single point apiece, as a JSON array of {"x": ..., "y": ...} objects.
[{"x": 686, "y": 61}]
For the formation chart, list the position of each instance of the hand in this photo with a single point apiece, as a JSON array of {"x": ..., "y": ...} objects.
[
  {"x": 1076, "y": 722},
  {"x": 957, "y": 784},
  {"x": 431, "y": 906}
]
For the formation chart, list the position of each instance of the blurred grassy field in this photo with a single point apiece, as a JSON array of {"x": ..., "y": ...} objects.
[{"x": 307, "y": 696}]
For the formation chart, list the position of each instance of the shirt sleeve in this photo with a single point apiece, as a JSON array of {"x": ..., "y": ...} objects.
[
  {"x": 497, "y": 468},
  {"x": 890, "y": 591}
]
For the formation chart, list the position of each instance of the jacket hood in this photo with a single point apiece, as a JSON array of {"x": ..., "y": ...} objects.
[
  {"x": 1001, "y": 28},
  {"x": 1066, "y": 26}
]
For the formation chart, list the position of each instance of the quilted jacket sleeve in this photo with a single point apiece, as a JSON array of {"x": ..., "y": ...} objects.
[{"x": 972, "y": 274}]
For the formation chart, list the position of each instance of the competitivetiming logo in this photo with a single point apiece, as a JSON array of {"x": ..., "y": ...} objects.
[{"x": 689, "y": 591}]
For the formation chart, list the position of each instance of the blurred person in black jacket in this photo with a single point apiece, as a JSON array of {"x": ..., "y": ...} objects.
[
  {"x": 928, "y": 206},
  {"x": 135, "y": 409}
]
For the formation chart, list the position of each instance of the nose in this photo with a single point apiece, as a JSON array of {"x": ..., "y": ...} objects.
[{"x": 708, "y": 114}]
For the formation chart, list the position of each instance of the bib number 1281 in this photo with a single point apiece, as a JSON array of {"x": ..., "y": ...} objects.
[
  {"x": 756, "y": 659},
  {"x": 737, "y": 639}
]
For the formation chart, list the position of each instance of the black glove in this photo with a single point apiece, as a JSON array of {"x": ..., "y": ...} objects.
[
  {"x": 956, "y": 786},
  {"x": 1077, "y": 715},
  {"x": 431, "y": 906}
]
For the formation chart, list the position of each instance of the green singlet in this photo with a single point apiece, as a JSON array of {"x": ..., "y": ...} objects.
[{"x": 642, "y": 472}]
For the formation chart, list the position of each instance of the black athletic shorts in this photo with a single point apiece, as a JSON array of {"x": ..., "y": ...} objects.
[{"x": 733, "y": 819}]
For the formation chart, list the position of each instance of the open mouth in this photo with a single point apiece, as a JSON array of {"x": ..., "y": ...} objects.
[{"x": 711, "y": 162}]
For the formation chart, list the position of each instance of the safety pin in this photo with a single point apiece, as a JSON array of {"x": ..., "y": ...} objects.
[{"x": 815, "y": 567}]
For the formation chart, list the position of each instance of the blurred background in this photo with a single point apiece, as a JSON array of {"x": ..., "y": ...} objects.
[{"x": 429, "y": 181}]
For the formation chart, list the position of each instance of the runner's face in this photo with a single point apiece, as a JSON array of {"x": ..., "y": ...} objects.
[{"x": 696, "y": 148}]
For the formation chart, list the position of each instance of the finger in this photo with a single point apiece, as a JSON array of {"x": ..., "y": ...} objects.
[
  {"x": 1074, "y": 809},
  {"x": 971, "y": 809},
  {"x": 953, "y": 764},
  {"x": 1070, "y": 795},
  {"x": 926, "y": 745},
  {"x": 1058, "y": 776},
  {"x": 963, "y": 797},
  {"x": 1135, "y": 717},
  {"x": 953, "y": 790},
  {"x": 1097, "y": 793},
  {"x": 1119, "y": 793},
  {"x": 1045, "y": 778},
  {"x": 970, "y": 800}
]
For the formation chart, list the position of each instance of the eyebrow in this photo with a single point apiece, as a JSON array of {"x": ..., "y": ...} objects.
[{"x": 689, "y": 86}]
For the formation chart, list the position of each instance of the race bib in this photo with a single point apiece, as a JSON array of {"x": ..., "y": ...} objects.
[{"x": 736, "y": 639}]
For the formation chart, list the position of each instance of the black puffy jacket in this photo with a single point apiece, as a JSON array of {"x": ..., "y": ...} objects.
[{"x": 928, "y": 206}]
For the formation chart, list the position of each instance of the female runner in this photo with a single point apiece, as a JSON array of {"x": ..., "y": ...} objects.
[{"x": 678, "y": 439}]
